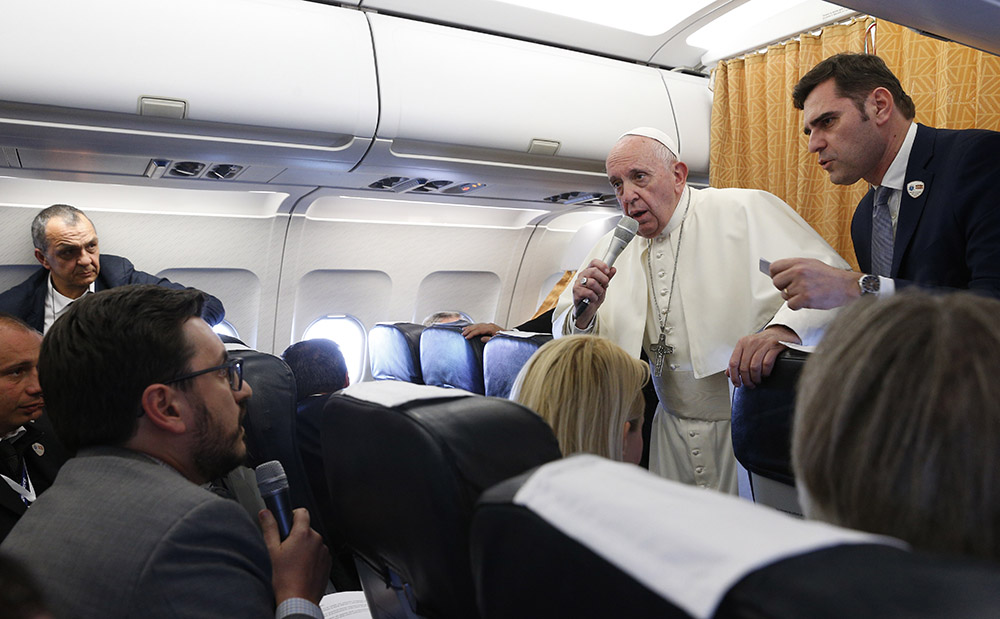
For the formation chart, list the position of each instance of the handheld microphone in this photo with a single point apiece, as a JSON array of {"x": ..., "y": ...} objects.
[
  {"x": 624, "y": 233},
  {"x": 273, "y": 485}
]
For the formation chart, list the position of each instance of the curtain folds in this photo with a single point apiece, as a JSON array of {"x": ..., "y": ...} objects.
[{"x": 757, "y": 139}]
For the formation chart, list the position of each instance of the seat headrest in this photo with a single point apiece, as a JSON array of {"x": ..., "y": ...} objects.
[
  {"x": 405, "y": 464},
  {"x": 270, "y": 422},
  {"x": 683, "y": 547},
  {"x": 394, "y": 349},
  {"x": 447, "y": 359},
  {"x": 762, "y": 420},
  {"x": 504, "y": 356}
]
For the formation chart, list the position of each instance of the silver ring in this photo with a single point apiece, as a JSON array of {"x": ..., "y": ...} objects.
[{"x": 583, "y": 282}]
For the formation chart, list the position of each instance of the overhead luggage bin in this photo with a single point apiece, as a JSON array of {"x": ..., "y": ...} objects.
[
  {"x": 525, "y": 120},
  {"x": 233, "y": 82}
]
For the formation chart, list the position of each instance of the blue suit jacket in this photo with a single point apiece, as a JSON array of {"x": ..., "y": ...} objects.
[
  {"x": 27, "y": 299},
  {"x": 949, "y": 235}
]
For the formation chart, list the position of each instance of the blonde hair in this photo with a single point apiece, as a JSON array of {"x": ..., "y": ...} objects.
[
  {"x": 897, "y": 422},
  {"x": 586, "y": 388}
]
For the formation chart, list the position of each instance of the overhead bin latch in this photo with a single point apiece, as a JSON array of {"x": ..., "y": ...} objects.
[
  {"x": 162, "y": 107},
  {"x": 543, "y": 147}
]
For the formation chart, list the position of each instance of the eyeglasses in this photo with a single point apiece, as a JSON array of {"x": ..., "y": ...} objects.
[{"x": 233, "y": 368}]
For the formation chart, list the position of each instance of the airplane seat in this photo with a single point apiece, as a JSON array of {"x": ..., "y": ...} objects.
[
  {"x": 404, "y": 465},
  {"x": 394, "y": 349},
  {"x": 270, "y": 424},
  {"x": 762, "y": 431},
  {"x": 503, "y": 357},
  {"x": 447, "y": 359},
  {"x": 588, "y": 537}
]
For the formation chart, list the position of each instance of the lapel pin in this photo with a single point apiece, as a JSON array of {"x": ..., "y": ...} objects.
[
  {"x": 39, "y": 449},
  {"x": 915, "y": 188}
]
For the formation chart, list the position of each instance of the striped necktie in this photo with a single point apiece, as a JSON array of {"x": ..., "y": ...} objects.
[{"x": 882, "y": 235}]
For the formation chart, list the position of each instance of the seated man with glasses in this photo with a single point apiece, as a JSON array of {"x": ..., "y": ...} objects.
[{"x": 142, "y": 390}]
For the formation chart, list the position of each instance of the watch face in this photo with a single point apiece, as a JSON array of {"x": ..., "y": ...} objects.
[{"x": 870, "y": 284}]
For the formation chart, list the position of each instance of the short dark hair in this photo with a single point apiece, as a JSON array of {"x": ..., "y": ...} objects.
[
  {"x": 318, "y": 367},
  {"x": 897, "y": 421},
  {"x": 70, "y": 214},
  {"x": 99, "y": 357},
  {"x": 855, "y": 76}
]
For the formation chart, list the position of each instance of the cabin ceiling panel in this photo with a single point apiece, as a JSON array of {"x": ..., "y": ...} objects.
[{"x": 533, "y": 24}]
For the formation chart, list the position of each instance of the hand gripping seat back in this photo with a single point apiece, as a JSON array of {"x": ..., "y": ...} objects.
[
  {"x": 504, "y": 356},
  {"x": 762, "y": 420},
  {"x": 404, "y": 477},
  {"x": 447, "y": 359},
  {"x": 270, "y": 424},
  {"x": 394, "y": 350},
  {"x": 524, "y": 568}
]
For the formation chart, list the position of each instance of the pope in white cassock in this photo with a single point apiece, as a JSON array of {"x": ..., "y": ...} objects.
[{"x": 690, "y": 292}]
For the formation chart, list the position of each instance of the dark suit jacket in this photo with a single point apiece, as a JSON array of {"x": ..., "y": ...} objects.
[
  {"x": 948, "y": 236},
  {"x": 27, "y": 299},
  {"x": 42, "y": 471},
  {"x": 119, "y": 535}
]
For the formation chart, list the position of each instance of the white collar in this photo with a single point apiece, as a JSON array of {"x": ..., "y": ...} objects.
[
  {"x": 678, "y": 215},
  {"x": 895, "y": 176},
  {"x": 59, "y": 300}
]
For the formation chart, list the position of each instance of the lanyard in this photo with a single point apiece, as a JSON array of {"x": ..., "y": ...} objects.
[{"x": 24, "y": 489}]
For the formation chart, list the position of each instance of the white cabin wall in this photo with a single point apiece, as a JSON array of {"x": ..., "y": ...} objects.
[
  {"x": 398, "y": 259},
  {"x": 226, "y": 242}
]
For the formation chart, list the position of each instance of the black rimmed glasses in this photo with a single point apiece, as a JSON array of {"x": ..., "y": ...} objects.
[{"x": 233, "y": 368}]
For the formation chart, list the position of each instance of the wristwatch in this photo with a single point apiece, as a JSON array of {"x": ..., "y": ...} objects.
[{"x": 870, "y": 284}]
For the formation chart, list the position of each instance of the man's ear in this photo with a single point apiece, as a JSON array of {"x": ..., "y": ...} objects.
[
  {"x": 162, "y": 406},
  {"x": 680, "y": 173},
  {"x": 40, "y": 257},
  {"x": 884, "y": 104}
]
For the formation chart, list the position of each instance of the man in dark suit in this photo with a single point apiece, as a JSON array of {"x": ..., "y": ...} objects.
[
  {"x": 66, "y": 246},
  {"x": 152, "y": 408},
  {"x": 932, "y": 217},
  {"x": 30, "y": 454}
]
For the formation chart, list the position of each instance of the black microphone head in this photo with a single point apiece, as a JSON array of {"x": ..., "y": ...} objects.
[
  {"x": 626, "y": 228},
  {"x": 271, "y": 477}
]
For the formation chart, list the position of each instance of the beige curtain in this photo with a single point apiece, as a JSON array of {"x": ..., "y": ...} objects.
[{"x": 757, "y": 138}]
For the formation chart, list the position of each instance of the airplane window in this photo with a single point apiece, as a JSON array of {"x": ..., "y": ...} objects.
[
  {"x": 224, "y": 328},
  {"x": 349, "y": 334}
]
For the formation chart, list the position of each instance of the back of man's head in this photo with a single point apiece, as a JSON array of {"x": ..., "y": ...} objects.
[
  {"x": 318, "y": 367},
  {"x": 855, "y": 76},
  {"x": 70, "y": 214},
  {"x": 99, "y": 357}
]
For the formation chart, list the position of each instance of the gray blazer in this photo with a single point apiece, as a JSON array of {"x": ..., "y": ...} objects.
[{"x": 119, "y": 535}]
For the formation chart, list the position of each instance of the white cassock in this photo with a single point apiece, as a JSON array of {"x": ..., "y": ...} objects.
[{"x": 720, "y": 296}]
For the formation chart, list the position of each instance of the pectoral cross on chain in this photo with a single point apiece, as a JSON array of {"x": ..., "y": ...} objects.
[{"x": 660, "y": 350}]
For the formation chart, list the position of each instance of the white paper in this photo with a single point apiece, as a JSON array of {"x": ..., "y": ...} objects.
[{"x": 345, "y": 605}]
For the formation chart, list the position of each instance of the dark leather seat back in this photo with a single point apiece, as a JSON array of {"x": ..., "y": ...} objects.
[
  {"x": 587, "y": 537},
  {"x": 405, "y": 464},
  {"x": 504, "y": 356},
  {"x": 394, "y": 350},
  {"x": 865, "y": 580},
  {"x": 525, "y": 568},
  {"x": 270, "y": 423},
  {"x": 762, "y": 430},
  {"x": 449, "y": 360}
]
